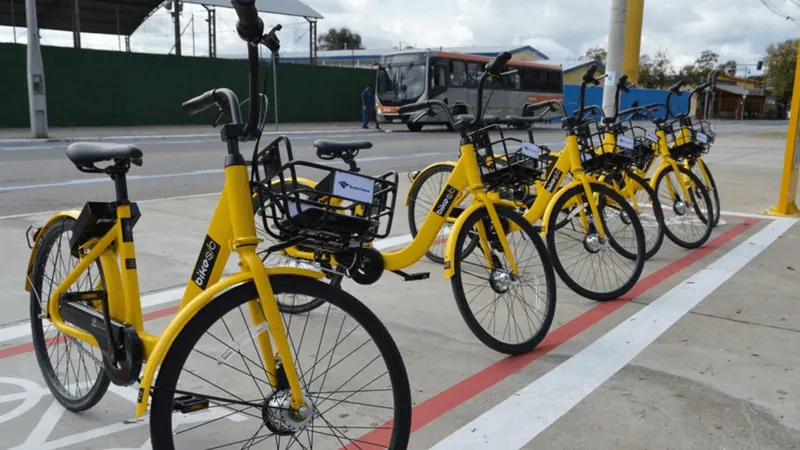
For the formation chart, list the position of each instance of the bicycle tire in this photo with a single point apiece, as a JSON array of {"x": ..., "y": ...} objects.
[
  {"x": 507, "y": 215},
  {"x": 699, "y": 186},
  {"x": 415, "y": 189},
  {"x": 639, "y": 259},
  {"x": 712, "y": 189},
  {"x": 651, "y": 246},
  {"x": 163, "y": 395},
  {"x": 101, "y": 382}
]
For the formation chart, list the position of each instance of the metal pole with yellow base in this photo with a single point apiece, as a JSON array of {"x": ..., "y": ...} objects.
[{"x": 787, "y": 205}]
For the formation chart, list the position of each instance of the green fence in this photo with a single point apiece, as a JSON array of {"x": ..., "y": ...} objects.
[{"x": 95, "y": 88}]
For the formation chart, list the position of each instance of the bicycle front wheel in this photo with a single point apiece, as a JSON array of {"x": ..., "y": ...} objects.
[
  {"x": 509, "y": 312},
  {"x": 595, "y": 267},
  {"x": 701, "y": 170},
  {"x": 650, "y": 213},
  {"x": 351, "y": 373},
  {"x": 688, "y": 221}
]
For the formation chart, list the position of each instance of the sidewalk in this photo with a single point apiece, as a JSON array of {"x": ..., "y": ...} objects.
[{"x": 159, "y": 131}]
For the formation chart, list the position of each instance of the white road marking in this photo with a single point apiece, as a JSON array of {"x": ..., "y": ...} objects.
[
  {"x": 523, "y": 416},
  {"x": 23, "y": 329},
  {"x": 45, "y": 426}
]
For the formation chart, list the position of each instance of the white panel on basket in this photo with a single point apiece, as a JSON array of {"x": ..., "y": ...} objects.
[
  {"x": 651, "y": 136},
  {"x": 353, "y": 187},
  {"x": 586, "y": 156},
  {"x": 625, "y": 142},
  {"x": 702, "y": 138},
  {"x": 531, "y": 150}
]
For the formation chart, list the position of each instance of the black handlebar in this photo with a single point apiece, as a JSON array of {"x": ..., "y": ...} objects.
[
  {"x": 588, "y": 77},
  {"x": 250, "y": 27},
  {"x": 495, "y": 65},
  {"x": 676, "y": 88},
  {"x": 222, "y": 96}
]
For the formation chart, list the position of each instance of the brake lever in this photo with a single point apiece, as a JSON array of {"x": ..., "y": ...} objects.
[{"x": 217, "y": 118}]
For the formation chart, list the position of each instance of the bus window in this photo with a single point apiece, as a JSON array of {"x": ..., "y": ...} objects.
[
  {"x": 438, "y": 78},
  {"x": 458, "y": 74},
  {"x": 474, "y": 70}
]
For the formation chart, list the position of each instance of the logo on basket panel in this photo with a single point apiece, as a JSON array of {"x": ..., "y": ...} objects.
[
  {"x": 353, "y": 187},
  {"x": 445, "y": 200},
  {"x": 552, "y": 182},
  {"x": 205, "y": 262}
]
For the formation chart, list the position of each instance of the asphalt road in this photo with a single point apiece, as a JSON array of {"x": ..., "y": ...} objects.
[{"x": 36, "y": 177}]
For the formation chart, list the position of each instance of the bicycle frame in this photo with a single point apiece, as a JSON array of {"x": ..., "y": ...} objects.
[
  {"x": 465, "y": 177},
  {"x": 232, "y": 229}
]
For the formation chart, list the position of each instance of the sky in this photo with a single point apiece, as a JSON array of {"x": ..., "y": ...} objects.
[{"x": 562, "y": 29}]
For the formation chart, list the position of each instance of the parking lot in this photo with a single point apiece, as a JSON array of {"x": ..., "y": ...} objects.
[{"x": 702, "y": 353}]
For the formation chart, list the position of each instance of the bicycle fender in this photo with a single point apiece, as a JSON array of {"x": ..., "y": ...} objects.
[
  {"x": 657, "y": 173},
  {"x": 549, "y": 210},
  {"x": 187, "y": 313},
  {"x": 429, "y": 167},
  {"x": 72, "y": 213}
]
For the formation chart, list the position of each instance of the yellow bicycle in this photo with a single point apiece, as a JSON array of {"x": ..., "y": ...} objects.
[
  {"x": 576, "y": 216},
  {"x": 505, "y": 291},
  {"x": 228, "y": 358},
  {"x": 689, "y": 210}
]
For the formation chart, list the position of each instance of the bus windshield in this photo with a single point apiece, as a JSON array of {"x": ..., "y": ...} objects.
[{"x": 401, "y": 79}]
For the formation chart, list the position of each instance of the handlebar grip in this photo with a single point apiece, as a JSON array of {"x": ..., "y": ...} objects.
[
  {"x": 250, "y": 27},
  {"x": 622, "y": 84},
  {"x": 200, "y": 103},
  {"x": 588, "y": 77},
  {"x": 498, "y": 62},
  {"x": 677, "y": 86},
  {"x": 412, "y": 108}
]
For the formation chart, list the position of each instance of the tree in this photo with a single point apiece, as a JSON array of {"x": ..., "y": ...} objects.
[
  {"x": 341, "y": 39},
  {"x": 728, "y": 68},
  {"x": 655, "y": 72},
  {"x": 597, "y": 54},
  {"x": 780, "y": 63},
  {"x": 707, "y": 61}
]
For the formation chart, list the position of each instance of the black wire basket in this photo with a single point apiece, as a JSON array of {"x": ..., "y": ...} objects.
[
  {"x": 688, "y": 137},
  {"x": 503, "y": 169},
  {"x": 644, "y": 146},
  {"x": 601, "y": 156},
  {"x": 343, "y": 210}
]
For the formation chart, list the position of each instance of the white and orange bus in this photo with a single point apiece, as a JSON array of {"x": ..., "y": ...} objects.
[{"x": 419, "y": 75}]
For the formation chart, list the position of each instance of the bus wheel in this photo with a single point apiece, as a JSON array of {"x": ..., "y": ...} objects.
[{"x": 414, "y": 126}]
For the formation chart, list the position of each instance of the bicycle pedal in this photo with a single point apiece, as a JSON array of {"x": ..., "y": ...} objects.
[
  {"x": 413, "y": 276},
  {"x": 189, "y": 403}
]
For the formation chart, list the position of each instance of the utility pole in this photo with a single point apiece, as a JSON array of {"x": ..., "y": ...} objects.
[
  {"x": 37, "y": 99},
  {"x": 176, "y": 16},
  {"x": 633, "y": 39},
  {"x": 616, "y": 49}
]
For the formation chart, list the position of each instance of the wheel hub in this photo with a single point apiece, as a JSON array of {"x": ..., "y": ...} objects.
[
  {"x": 624, "y": 217},
  {"x": 280, "y": 418},
  {"x": 501, "y": 280},
  {"x": 680, "y": 207},
  {"x": 593, "y": 244}
]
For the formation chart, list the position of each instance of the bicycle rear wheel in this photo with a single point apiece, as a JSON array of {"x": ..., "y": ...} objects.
[
  {"x": 576, "y": 248},
  {"x": 219, "y": 349},
  {"x": 699, "y": 167},
  {"x": 424, "y": 192},
  {"x": 529, "y": 296},
  {"x": 73, "y": 370}
]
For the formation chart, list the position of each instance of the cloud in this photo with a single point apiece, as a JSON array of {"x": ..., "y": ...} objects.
[{"x": 562, "y": 29}]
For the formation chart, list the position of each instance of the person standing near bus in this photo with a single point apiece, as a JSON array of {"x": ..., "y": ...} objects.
[{"x": 368, "y": 108}]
